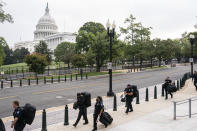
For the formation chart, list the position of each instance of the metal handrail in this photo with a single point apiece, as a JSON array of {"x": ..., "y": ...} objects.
[{"x": 183, "y": 102}]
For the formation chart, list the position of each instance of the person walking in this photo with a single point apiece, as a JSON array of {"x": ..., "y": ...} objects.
[
  {"x": 2, "y": 126},
  {"x": 167, "y": 84},
  {"x": 98, "y": 110},
  {"x": 195, "y": 79},
  {"x": 129, "y": 98},
  {"x": 82, "y": 109},
  {"x": 19, "y": 123}
]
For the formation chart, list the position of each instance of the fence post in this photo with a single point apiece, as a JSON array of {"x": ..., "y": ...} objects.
[
  {"x": 138, "y": 98},
  {"x": 20, "y": 82},
  {"x": 66, "y": 116},
  {"x": 44, "y": 121},
  {"x": 36, "y": 80},
  {"x": 51, "y": 79},
  {"x": 190, "y": 108},
  {"x": 76, "y": 76},
  {"x": 29, "y": 82},
  {"x": 23, "y": 72},
  {"x": 71, "y": 77},
  {"x": 178, "y": 85},
  {"x": 81, "y": 76},
  {"x": 44, "y": 80},
  {"x": 1, "y": 84},
  {"x": 58, "y": 78},
  {"x": 86, "y": 76},
  {"x": 174, "y": 110},
  {"x": 147, "y": 99},
  {"x": 115, "y": 103},
  {"x": 155, "y": 92},
  {"x": 65, "y": 78},
  {"x": 11, "y": 83}
]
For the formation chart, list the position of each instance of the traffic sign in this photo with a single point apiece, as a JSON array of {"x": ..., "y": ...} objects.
[{"x": 109, "y": 65}]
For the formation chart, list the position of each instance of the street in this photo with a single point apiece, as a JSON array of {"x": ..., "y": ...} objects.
[{"x": 51, "y": 95}]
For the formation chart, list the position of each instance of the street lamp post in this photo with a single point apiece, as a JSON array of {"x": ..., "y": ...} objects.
[
  {"x": 192, "y": 37},
  {"x": 111, "y": 34}
]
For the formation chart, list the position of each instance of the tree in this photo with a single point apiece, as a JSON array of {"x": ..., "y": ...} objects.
[
  {"x": 2, "y": 56},
  {"x": 64, "y": 52},
  {"x": 42, "y": 48},
  {"x": 36, "y": 62},
  {"x": 86, "y": 35},
  {"x": 3, "y": 15},
  {"x": 19, "y": 54},
  {"x": 7, "y": 56},
  {"x": 90, "y": 58},
  {"x": 2, "y": 44},
  {"x": 78, "y": 60},
  {"x": 100, "y": 48}
]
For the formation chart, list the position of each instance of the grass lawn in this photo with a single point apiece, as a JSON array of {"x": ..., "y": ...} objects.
[
  {"x": 20, "y": 66},
  {"x": 156, "y": 67}
]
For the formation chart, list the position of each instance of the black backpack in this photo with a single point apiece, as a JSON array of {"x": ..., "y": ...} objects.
[
  {"x": 87, "y": 98},
  {"x": 2, "y": 126},
  {"x": 135, "y": 93},
  {"x": 28, "y": 113}
]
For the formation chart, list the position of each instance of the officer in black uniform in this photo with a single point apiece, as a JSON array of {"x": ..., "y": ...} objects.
[
  {"x": 98, "y": 110},
  {"x": 18, "y": 123},
  {"x": 129, "y": 98},
  {"x": 167, "y": 84},
  {"x": 195, "y": 79},
  {"x": 82, "y": 109}
]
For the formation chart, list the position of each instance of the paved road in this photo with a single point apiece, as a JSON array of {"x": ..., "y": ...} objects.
[{"x": 51, "y": 95}]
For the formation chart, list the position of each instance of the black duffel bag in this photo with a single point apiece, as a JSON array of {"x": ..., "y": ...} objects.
[
  {"x": 2, "y": 126},
  {"x": 28, "y": 113},
  {"x": 172, "y": 88}
]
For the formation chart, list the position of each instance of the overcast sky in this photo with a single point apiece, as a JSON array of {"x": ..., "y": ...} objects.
[{"x": 169, "y": 18}]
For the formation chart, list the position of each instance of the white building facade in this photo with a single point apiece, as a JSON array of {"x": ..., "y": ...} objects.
[{"x": 47, "y": 30}]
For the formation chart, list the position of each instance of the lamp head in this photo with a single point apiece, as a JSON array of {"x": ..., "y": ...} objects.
[
  {"x": 108, "y": 24},
  {"x": 191, "y": 36}
]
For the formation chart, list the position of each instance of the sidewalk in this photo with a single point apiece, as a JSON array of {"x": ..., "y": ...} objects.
[{"x": 147, "y": 116}]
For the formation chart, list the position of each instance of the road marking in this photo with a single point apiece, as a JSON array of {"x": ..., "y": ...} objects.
[{"x": 8, "y": 97}]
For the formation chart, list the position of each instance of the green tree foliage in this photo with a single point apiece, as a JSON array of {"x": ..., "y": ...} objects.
[
  {"x": 3, "y": 15},
  {"x": 42, "y": 48},
  {"x": 2, "y": 56},
  {"x": 93, "y": 41},
  {"x": 78, "y": 60},
  {"x": 7, "y": 53},
  {"x": 19, "y": 54},
  {"x": 100, "y": 48},
  {"x": 64, "y": 52},
  {"x": 36, "y": 62},
  {"x": 86, "y": 35},
  {"x": 2, "y": 44},
  {"x": 90, "y": 58}
]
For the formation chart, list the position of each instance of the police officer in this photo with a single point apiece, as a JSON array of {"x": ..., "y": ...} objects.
[
  {"x": 129, "y": 98},
  {"x": 82, "y": 109},
  {"x": 2, "y": 126},
  {"x": 167, "y": 84},
  {"x": 98, "y": 110},
  {"x": 195, "y": 79},
  {"x": 18, "y": 123}
]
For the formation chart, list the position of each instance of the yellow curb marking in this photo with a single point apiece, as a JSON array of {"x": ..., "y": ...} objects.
[{"x": 8, "y": 97}]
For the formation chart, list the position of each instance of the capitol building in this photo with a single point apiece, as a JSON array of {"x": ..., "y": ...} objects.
[{"x": 47, "y": 30}]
